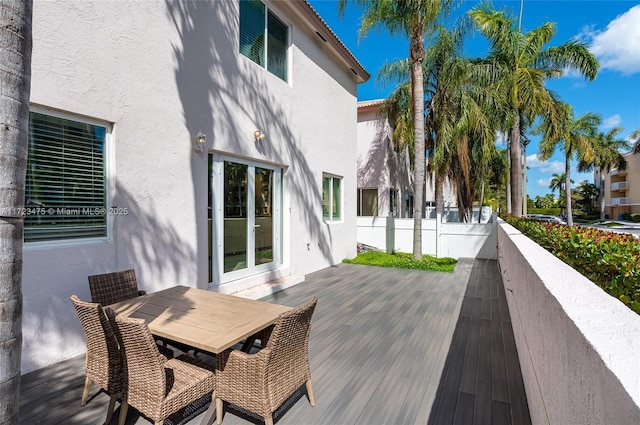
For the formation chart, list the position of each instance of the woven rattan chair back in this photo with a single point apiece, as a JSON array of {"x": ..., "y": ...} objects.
[
  {"x": 155, "y": 385},
  {"x": 110, "y": 288},
  {"x": 261, "y": 382},
  {"x": 145, "y": 384},
  {"x": 103, "y": 364},
  {"x": 288, "y": 364}
]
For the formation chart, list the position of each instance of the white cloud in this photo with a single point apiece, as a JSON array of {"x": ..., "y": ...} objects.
[
  {"x": 618, "y": 46},
  {"x": 545, "y": 166},
  {"x": 612, "y": 121},
  {"x": 544, "y": 183}
]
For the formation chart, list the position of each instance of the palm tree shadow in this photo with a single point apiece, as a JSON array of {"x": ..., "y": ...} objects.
[{"x": 213, "y": 83}]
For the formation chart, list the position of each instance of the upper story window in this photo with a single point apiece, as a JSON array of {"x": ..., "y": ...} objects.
[
  {"x": 66, "y": 180},
  {"x": 331, "y": 198},
  {"x": 263, "y": 37}
]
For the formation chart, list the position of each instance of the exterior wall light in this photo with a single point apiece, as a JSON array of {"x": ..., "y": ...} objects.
[
  {"x": 198, "y": 146},
  {"x": 259, "y": 135}
]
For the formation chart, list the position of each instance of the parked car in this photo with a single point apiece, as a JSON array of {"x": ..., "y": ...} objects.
[{"x": 549, "y": 218}]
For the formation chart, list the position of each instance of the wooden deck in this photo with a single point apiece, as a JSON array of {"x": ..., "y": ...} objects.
[{"x": 387, "y": 346}]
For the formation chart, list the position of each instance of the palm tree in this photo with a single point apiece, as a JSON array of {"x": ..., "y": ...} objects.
[
  {"x": 414, "y": 19},
  {"x": 636, "y": 136},
  {"x": 607, "y": 157},
  {"x": 459, "y": 128},
  {"x": 15, "y": 84},
  {"x": 558, "y": 183},
  {"x": 525, "y": 66},
  {"x": 578, "y": 138}
]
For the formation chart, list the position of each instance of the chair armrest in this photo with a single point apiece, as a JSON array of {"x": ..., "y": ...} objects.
[{"x": 236, "y": 369}]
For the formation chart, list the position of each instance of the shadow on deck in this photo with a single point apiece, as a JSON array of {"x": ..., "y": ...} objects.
[{"x": 387, "y": 346}]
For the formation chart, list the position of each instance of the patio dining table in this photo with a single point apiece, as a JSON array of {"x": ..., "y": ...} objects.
[{"x": 205, "y": 320}]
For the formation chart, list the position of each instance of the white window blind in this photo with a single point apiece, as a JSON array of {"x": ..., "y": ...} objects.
[
  {"x": 256, "y": 21},
  {"x": 66, "y": 181}
]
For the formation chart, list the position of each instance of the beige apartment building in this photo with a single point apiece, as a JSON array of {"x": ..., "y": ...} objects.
[{"x": 622, "y": 189}]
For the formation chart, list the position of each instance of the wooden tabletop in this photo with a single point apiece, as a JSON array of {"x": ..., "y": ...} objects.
[{"x": 202, "y": 319}]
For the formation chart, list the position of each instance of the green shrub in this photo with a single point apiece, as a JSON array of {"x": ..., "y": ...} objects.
[
  {"x": 544, "y": 211},
  {"x": 610, "y": 260},
  {"x": 626, "y": 216},
  {"x": 403, "y": 261},
  {"x": 635, "y": 218}
]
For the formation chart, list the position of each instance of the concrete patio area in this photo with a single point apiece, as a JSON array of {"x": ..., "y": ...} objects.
[{"x": 387, "y": 346}]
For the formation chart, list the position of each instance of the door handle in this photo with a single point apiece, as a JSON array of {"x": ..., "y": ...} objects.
[{"x": 256, "y": 225}]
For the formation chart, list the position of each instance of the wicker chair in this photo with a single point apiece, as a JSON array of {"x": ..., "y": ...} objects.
[
  {"x": 157, "y": 387},
  {"x": 110, "y": 288},
  {"x": 261, "y": 382},
  {"x": 103, "y": 362}
]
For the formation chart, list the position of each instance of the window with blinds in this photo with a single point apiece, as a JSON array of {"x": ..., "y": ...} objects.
[
  {"x": 263, "y": 37},
  {"x": 66, "y": 180}
]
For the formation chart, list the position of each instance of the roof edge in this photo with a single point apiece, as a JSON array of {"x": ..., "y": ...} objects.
[{"x": 315, "y": 21}]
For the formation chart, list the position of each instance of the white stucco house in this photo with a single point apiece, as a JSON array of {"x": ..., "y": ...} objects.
[
  {"x": 122, "y": 92},
  {"x": 385, "y": 179}
]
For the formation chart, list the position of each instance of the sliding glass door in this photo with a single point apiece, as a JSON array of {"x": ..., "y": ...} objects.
[{"x": 246, "y": 226}]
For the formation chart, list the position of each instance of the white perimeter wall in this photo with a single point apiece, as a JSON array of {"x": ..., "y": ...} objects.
[
  {"x": 456, "y": 240},
  {"x": 578, "y": 346},
  {"x": 158, "y": 73}
]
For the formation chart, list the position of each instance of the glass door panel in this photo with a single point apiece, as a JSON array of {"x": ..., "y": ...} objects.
[
  {"x": 235, "y": 216},
  {"x": 263, "y": 227}
]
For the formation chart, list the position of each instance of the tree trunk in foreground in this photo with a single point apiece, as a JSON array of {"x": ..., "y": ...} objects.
[
  {"x": 416, "y": 53},
  {"x": 515, "y": 176},
  {"x": 15, "y": 84},
  {"x": 567, "y": 190}
]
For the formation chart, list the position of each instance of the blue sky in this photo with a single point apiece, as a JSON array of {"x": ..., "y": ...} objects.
[{"x": 612, "y": 28}]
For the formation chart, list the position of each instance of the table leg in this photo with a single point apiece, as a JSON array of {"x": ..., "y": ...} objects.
[
  {"x": 209, "y": 415},
  {"x": 246, "y": 347}
]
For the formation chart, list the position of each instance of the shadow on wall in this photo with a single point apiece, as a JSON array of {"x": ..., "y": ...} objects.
[
  {"x": 212, "y": 85},
  {"x": 51, "y": 329},
  {"x": 143, "y": 239},
  {"x": 372, "y": 164}
]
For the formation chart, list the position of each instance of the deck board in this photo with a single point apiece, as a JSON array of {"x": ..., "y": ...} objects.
[{"x": 387, "y": 346}]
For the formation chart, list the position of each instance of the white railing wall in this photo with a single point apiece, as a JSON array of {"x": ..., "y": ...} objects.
[
  {"x": 578, "y": 346},
  {"x": 454, "y": 240}
]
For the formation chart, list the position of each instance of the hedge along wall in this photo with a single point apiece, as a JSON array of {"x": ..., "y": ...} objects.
[{"x": 578, "y": 346}]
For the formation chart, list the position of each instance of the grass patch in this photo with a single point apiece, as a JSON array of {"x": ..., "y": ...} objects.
[
  {"x": 402, "y": 260},
  {"x": 612, "y": 224}
]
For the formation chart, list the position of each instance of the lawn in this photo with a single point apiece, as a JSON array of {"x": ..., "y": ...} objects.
[{"x": 403, "y": 260}]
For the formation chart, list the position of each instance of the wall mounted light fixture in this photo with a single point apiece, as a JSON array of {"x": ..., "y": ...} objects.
[
  {"x": 198, "y": 146},
  {"x": 259, "y": 135}
]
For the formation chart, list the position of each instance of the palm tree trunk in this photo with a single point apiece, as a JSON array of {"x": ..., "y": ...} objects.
[
  {"x": 481, "y": 198},
  {"x": 416, "y": 53},
  {"x": 15, "y": 85},
  {"x": 567, "y": 189},
  {"x": 601, "y": 184},
  {"x": 515, "y": 175}
]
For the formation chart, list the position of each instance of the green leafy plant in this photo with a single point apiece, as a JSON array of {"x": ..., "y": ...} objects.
[
  {"x": 403, "y": 261},
  {"x": 610, "y": 260}
]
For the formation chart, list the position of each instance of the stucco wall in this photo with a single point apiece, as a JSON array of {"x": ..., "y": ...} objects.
[
  {"x": 158, "y": 73},
  {"x": 578, "y": 347}
]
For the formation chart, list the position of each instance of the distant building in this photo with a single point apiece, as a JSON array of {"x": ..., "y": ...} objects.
[
  {"x": 385, "y": 179},
  {"x": 622, "y": 188}
]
